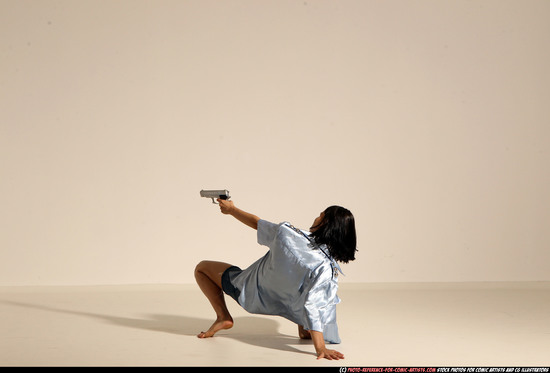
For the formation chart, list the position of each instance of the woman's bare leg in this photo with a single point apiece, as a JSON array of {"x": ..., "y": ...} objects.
[{"x": 209, "y": 278}]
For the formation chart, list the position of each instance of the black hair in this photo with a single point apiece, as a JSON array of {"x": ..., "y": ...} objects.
[{"x": 337, "y": 231}]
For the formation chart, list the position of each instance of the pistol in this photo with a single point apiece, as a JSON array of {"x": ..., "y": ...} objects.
[{"x": 221, "y": 194}]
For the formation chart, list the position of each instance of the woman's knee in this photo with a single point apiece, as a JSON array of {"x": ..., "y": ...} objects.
[
  {"x": 201, "y": 266},
  {"x": 211, "y": 269}
]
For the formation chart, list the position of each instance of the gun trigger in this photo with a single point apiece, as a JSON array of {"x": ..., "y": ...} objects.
[{"x": 214, "y": 202}]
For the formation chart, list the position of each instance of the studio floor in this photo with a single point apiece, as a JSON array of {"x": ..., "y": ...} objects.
[{"x": 429, "y": 324}]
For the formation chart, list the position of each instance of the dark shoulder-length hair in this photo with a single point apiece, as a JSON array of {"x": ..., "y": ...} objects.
[{"x": 337, "y": 231}]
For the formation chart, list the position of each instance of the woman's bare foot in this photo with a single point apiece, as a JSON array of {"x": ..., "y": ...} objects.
[
  {"x": 304, "y": 334},
  {"x": 218, "y": 325}
]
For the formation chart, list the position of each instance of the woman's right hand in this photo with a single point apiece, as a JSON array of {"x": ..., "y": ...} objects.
[{"x": 226, "y": 207}]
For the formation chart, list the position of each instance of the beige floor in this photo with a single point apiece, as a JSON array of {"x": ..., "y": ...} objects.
[{"x": 471, "y": 324}]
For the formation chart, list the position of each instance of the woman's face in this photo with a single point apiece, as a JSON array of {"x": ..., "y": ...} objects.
[{"x": 317, "y": 222}]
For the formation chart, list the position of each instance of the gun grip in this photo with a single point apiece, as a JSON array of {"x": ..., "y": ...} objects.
[{"x": 221, "y": 196}]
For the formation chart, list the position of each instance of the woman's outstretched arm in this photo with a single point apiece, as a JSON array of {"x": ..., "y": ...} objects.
[{"x": 229, "y": 208}]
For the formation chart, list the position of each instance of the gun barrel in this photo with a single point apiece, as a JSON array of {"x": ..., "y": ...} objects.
[{"x": 219, "y": 193}]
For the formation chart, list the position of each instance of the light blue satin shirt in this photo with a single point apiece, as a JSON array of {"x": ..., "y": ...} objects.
[{"x": 295, "y": 280}]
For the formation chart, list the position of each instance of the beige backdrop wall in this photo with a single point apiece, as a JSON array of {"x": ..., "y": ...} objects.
[{"x": 428, "y": 119}]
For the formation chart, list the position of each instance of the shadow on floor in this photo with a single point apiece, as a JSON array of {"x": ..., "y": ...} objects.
[{"x": 253, "y": 330}]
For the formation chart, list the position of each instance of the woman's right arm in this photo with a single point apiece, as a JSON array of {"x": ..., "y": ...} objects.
[{"x": 229, "y": 208}]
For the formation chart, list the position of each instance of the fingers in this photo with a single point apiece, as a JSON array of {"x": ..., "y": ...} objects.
[
  {"x": 338, "y": 355},
  {"x": 225, "y": 205},
  {"x": 221, "y": 202},
  {"x": 330, "y": 355}
]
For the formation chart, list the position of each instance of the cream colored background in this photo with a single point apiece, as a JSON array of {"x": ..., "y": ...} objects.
[{"x": 428, "y": 119}]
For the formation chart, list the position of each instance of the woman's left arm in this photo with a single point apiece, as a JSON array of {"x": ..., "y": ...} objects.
[{"x": 321, "y": 349}]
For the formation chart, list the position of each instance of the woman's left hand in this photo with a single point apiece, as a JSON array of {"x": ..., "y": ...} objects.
[{"x": 329, "y": 354}]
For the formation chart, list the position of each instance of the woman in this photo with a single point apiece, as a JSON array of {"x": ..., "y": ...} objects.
[{"x": 296, "y": 279}]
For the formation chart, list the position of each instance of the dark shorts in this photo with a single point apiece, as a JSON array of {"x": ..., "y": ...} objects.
[{"x": 227, "y": 286}]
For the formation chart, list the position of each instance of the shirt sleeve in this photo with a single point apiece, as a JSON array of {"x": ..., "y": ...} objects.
[
  {"x": 266, "y": 232},
  {"x": 320, "y": 307}
]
